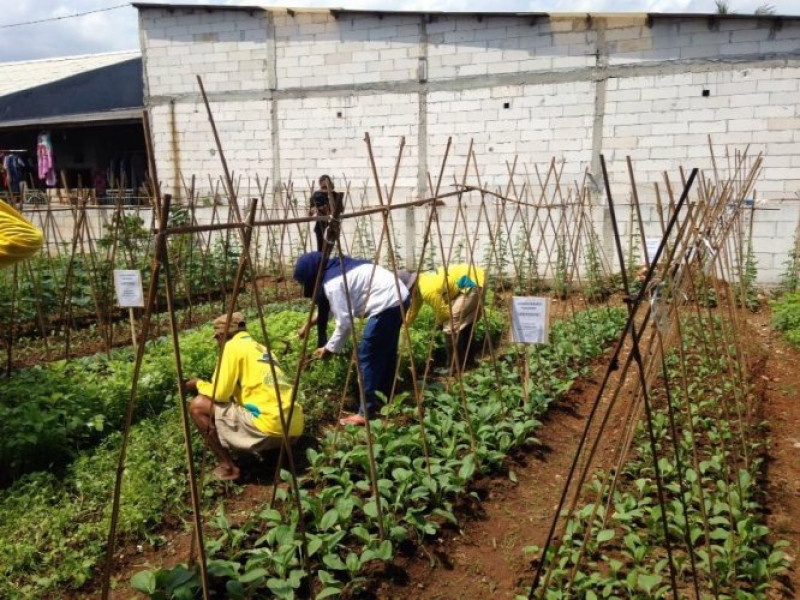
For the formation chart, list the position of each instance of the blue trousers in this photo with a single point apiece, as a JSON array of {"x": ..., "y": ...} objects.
[{"x": 377, "y": 355}]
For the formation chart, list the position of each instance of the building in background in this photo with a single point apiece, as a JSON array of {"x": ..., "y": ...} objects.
[
  {"x": 294, "y": 90},
  {"x": 86, "y": 112}
]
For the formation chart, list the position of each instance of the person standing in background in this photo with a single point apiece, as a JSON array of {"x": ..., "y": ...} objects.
[{"x": 321, "y": 206}]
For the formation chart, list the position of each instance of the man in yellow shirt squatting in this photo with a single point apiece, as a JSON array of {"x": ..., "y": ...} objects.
[
  {"x": 238, "y": 411},
  {"x": 457, "y": 299}
]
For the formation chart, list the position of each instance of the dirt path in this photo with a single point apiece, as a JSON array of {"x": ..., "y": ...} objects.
[
  {"x": 781, "y": 410},
  {"x": 487, "y": 557}
]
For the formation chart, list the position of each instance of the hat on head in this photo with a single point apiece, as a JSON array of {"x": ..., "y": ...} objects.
[
  {"x": 237, "y": 323},
  {"x": 305, "y": 271}
]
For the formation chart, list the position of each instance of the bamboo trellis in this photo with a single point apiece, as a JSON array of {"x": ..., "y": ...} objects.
[{"x": 536, "y": 234}]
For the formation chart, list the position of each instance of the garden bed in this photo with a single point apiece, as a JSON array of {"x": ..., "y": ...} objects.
[{"x": 40, "y": 566}]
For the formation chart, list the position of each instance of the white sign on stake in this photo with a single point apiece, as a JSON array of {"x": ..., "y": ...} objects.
[
  {"x": 530, "y": 320},
  {"x": 128, "y": 285},
  {"x": 652, "y": 245}
]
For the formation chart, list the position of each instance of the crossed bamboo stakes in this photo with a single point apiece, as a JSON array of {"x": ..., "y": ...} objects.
[{"x": 701, "y": 246}]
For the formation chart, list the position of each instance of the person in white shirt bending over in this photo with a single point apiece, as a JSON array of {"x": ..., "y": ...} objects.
[{"x": 374, "y": 295}]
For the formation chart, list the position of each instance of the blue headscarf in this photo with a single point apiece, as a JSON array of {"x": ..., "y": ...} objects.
[
  {"x": 307, "y": 266},
  {"x": 305, "y": 273}
]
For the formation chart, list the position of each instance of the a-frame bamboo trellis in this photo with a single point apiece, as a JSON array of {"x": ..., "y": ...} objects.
[{"x": 571, "y": 234}]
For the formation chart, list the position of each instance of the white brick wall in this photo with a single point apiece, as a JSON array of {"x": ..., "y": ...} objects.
[
  {"x": 541, "y": 122},
  {"x": 244, "y": 130},
  {"x": 745, "y": 108},
  {"x": 314, "y": 139},
  {"x": 314, "y": 49},
  {"x": 226, "y": 48},
  {"x": 513, "y": 85},
  {"x": 461, "y": 46}
]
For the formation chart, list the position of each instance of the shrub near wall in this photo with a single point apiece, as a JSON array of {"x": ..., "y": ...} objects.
[{"x": 786, "y": 317}]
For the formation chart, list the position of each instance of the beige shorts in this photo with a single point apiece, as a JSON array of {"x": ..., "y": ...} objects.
[
  {"x": 238, "y": 433},
  {"x": 465, "y": 310}
]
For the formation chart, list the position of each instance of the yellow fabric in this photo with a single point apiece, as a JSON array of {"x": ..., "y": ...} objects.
[
  {"x": 437, "y": 291},
  {"x": 414, "y": 307},
  {"x": 244, "y": 379},
  {"x": 19, "y": 239}
]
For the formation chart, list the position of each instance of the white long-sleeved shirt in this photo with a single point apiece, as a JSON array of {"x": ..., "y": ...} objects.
[{"x": 367, "y": 300}]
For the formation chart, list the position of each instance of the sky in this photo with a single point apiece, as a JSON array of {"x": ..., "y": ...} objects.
[{"x": 114, "y": 26}]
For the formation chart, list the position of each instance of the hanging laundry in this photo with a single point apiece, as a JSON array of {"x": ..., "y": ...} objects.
[
  {"x": 14, "y": 167},
  {"x": 44, "y": 152},
  {"x": 3, "y": 174},
  {"x": 100, "y": 183}
]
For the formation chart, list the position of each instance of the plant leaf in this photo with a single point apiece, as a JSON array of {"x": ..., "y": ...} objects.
[
  {"x": 605, "y": 535},
  {"x": 648, "y": 582},
  {"x": 329, "y": 519},
  {"x": 145, "y": 582},
  {"x": 467, "y": 467},
  {"x": 254, "y": 574}
]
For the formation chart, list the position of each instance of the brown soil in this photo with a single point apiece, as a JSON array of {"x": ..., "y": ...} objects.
[
  {"x": 780, "y": 391},
  {"x": 486, "y": 557}
]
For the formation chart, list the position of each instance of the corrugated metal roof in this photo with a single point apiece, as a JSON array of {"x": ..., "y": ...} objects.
[{"x": 19, "y": 76}]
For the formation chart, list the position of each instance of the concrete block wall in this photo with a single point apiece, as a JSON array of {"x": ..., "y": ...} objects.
[
  {"x": 461, "y": 46},
  {"x": 184, "y": 143},
  {"x": 664, "y": 120},
  {"x": 315, "y": 49},
  {"x": 537, "y": 122},
  {"x": 326, "y": 135},
  {"x": 226, "y": 48},
  {"x": 294, "y": 91}
]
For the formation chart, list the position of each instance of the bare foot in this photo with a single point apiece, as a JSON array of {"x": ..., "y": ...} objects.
[
  {"x": 357, "y": 420},
  {"x": 225, "y": 473}
]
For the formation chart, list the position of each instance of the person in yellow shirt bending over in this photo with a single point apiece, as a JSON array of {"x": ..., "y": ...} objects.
[
  {"x": 238, "y": 411},
  {"x": 456, "y": 299},
  {"x": 19, "y": 239}
]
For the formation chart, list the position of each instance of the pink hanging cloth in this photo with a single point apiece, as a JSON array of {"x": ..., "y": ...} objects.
[{"x": 44, "y": 154}]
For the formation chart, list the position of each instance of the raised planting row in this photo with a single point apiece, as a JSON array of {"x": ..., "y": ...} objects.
[
  {"x": 32, "y": 296},
  {"x": 53, "y": 411},
  {"x": 52, "y": 529},
  {"x": 720, "y": 520},
  {"x": 418, "y": 493},
  {"x": 87, "y": 340}
]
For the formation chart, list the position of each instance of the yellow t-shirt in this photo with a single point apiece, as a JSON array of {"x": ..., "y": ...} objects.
[
  {"x": 19, "y": 239},
  {"x": 437, "y": 291},
  {"x": 243, "y": 378}
]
